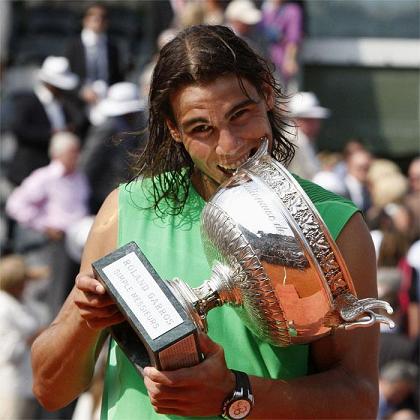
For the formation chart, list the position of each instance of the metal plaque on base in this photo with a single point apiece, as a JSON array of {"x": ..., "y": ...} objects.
[{"x": 158, "y": 331}]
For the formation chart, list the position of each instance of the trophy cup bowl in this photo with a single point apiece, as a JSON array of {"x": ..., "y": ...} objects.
[{"x": 273, "y": 260}]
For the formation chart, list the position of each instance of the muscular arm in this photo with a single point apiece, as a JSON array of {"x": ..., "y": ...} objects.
[
  {"x": 64, "y": 355},
  {"x": 345, "y": 384}
]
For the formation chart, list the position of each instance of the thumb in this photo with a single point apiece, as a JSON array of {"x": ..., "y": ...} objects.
[{"x": 207, "y": 345}]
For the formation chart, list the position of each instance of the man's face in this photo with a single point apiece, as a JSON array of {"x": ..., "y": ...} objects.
[
  {"x": 70, "y": 157},
  {"x": 359, "y": 164},
  {"x": 96, "y": 19},
  {"x": 310, "y": 126},
  {"x": 219, "y": 125}
]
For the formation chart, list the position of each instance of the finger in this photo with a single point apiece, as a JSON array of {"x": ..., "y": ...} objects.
[
  {"x": 207, "y": 345},
  {"x": 102, "y": 323},
  {"x": 87, "y": 283},
  {"x": 106, "y": 312},
  {"x": 160, "y": 377},
  {"x": 168, "y": 410},
  {"x": 183, "y": 377},
  {"x": 94, "y": 300},
  {"x": 162, "y": 392}
]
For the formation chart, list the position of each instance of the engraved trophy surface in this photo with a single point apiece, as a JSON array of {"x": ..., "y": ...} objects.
[{"x": 274, "y": 260}]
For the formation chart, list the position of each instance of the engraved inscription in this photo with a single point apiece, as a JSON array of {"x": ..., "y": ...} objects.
[{"x": 143, "y": 296}]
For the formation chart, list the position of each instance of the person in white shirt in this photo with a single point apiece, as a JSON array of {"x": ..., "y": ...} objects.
[{"x": 19, "y": 326}]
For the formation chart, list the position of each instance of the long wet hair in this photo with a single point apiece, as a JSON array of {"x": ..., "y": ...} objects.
[{"x": 198, "y": 54}]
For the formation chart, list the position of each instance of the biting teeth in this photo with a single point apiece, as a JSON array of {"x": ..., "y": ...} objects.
[{"x": 236, "y": 164}]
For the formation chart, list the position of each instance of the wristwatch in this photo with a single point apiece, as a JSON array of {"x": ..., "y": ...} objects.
[{"x": 239, "y": 404}]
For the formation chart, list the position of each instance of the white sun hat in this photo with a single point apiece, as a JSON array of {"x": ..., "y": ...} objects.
[
  {"x": 243, "y": 11},
  {"x": 122, "y": 98},
  {"x": 306, "y": 105},
  {"x": 56, "y": 72}
]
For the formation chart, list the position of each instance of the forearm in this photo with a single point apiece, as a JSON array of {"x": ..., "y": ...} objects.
[
  {"x": 63, "y": 358},
  {"x": 331, "y": 394},
  {"x": 291, "y": 52}
]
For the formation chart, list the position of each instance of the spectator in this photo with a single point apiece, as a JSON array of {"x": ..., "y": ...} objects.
[
  {"x": 208, "y": 12},
  {"x": 327, "y": 177},
  {"x": 394, "y": 343},
  {"x": 145, "y": 77},
  {"x": 38, "y": 114},
  {"x": 308, "y": 116},
  {"x": 18, "y": 328},
  {"x": 94, "y": 57},
  {"x": 410, "y": 292},
  {"x": 213, "y": 12},
  {"x": 331, "y": 182},
  {"x": 397, "y": 384},
  {"x": 242, "y": 17},
  {"x": 104, "y": 159},
  {"x": 391, "y": 245},
  {"x": 356, "y": 180},
  {"x": 282, "y": 23},
  {"x": 350, "y": 147},
  {"x": 48, "y": 202},
  {"x": 412, "y": 200},
  {"x": 387, "y": 185}
]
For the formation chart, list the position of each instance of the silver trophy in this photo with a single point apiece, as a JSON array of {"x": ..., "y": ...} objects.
[{"x": 274, "y": 261}]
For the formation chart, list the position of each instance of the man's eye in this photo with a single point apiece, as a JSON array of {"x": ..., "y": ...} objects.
[
  {"x": 240, "y": 113},
  {"x": 201, "y": 129}
]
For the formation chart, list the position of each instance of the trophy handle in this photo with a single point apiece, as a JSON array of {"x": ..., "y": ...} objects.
[{"x": 360, "y": 312}]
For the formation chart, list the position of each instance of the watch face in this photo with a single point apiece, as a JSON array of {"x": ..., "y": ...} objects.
[{"x": 239, "y": 409}]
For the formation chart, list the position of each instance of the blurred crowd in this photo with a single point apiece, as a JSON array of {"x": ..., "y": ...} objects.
[{"x": 73, "y": 134}]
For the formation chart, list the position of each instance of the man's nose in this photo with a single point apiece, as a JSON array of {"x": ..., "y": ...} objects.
[{"x": 228, "y": 144}]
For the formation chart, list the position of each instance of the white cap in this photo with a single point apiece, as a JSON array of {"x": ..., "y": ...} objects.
[
  {"x": 306, "y": 105},
  {"x": 56, "y": 72},
  {"x": 122, "y": 98},
  {"x": 243, "y": 11}
]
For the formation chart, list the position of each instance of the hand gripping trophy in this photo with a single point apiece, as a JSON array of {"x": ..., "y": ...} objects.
[{"x": 279, "y": 268}]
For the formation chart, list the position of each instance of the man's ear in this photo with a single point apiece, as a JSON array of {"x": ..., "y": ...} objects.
[
  {"x": 268, "y": 94},
  {"x": 173, "y": 129}
]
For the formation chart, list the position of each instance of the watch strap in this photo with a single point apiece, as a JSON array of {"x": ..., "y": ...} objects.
[
  {"x": 242, "y": 391},
  {"x": 242, "y": 381}
]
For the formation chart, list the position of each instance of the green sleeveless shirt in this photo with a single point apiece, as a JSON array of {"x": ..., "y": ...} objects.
[{"x": 173, "y": 246}]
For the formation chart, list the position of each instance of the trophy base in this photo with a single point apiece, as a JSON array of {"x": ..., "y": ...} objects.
[
  {"x": 182, "y": 353},
  {"x": 158, "y": 332}
]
